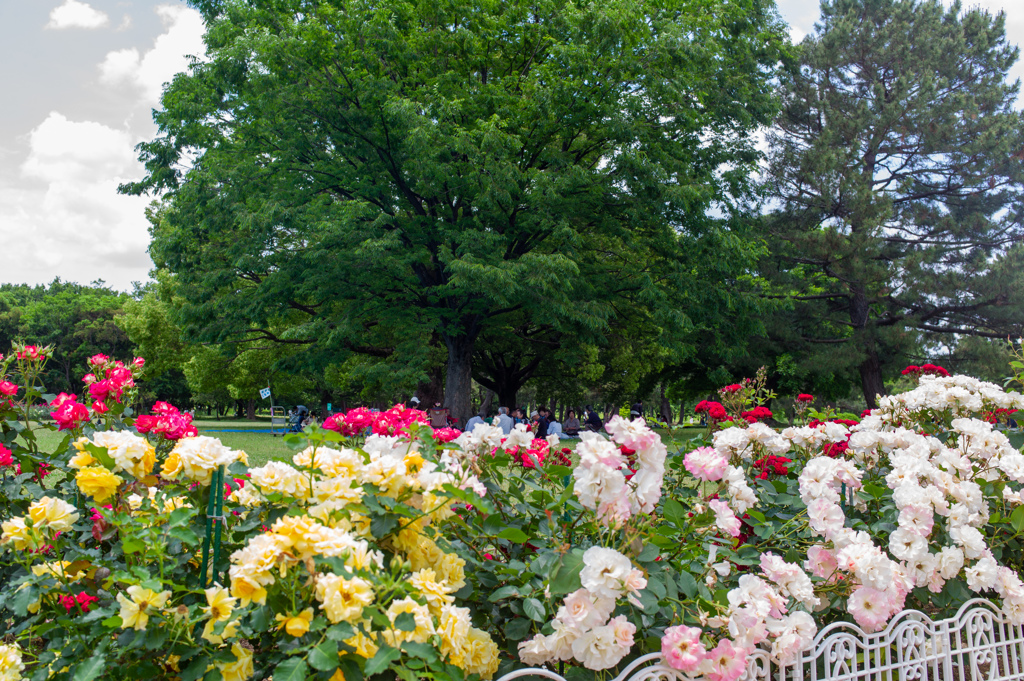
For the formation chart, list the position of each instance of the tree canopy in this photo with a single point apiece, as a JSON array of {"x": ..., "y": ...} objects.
[
  {"x": 898, "y": 167},
  {"x": 354, "y": 177}
]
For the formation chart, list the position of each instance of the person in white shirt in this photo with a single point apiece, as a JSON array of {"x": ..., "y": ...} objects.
[{"x": 505, "y": 421}]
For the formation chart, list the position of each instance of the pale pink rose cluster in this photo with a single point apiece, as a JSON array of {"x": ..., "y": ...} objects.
[
  {"x": 932, "y": 485},
  {"x": 682, "y": 649},
  {"x": 604, "y": 481},
  {"x": 584, "y": 629},
  {"x": 759, "y": 613}
]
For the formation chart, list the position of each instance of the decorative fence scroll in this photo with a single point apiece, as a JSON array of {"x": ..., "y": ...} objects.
[{"x": 978, "y": 644}]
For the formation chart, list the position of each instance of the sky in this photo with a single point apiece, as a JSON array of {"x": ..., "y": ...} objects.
[{"x": 81, "y": 81}]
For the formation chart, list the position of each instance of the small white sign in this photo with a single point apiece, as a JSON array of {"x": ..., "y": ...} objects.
[{"x": 265, "y": 393}]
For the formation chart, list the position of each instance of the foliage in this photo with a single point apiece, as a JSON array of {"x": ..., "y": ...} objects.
[
  {"x": 331, "y": 559},
  {"x": 383, "y": 178},
  {"x": 899, "y": 176},
  {"x": 77, "y": 321}
]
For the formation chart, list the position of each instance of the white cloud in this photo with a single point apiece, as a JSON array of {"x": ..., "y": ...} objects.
[
  {"x": 67, "y": 219},
  {"x": 148, "y": 72},
  {"x": 75, "y": 14}
]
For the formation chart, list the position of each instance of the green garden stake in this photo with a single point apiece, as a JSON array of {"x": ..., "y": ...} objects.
[
  {"x": 218, "y": 519},
  {"x": 214, "y": 508},
  {"x": 842, "y": 497}
]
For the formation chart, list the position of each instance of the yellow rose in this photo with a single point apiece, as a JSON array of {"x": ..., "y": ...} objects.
[
  {"x": 363, "y": 644},
  {"x": 425, "y": 554},
  {"x": 172, "y": 466},
  {"x": 343, "y": 600},
  {"x": 436, "y": 593},
  {"x": 11, "y": 665},
  {"x": 453, "y": 628},
  {"x": 413, "y": 463},
  {"x": 239, "y": 670},
  {"x": 135, "y": 611},
  {"x": 219, "y": 604},
  {"x": 247, "y": 589},
  {"x": 421, "y": 616},
  {"x": 300, "y": 532},
  {"x": 83, "y": 458},
  {"x": 337, "y": 676},
  {"x": 98, "y": 483},
  {"x": 298, "y": 625},
  {"x": 145, "y": 465},
  {"x": 58, "y": 570},
  {"x": 16, "y": 532},
  {"x": 450, "y": 570},
  {"x": 230, "y": 631},
  {"x": 479, "y": 654},
  {"x": 55, "y": 514}
]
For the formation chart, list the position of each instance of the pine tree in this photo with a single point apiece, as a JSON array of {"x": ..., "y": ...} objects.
[{"x": 898, "y": 163}]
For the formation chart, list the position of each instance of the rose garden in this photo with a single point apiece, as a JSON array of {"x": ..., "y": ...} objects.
[
  {"x": 384, "y": 548},
  {"x": 642, "y": 340}
]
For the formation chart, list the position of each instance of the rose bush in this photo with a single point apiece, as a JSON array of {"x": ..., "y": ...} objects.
[
  {"x": 382, "y": 548},
  {"x": 333, "y": 564}
]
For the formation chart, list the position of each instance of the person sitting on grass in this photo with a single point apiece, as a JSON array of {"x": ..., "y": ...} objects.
[{"x": 572, "y": 424}]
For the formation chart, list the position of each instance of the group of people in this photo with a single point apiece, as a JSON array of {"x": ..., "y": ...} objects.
[{"x": 541, "y": 422}]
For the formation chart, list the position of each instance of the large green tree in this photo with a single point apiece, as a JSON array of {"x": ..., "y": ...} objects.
[
  {"x": 375, "y": 176},
  {"x": 898, "y": 166}
]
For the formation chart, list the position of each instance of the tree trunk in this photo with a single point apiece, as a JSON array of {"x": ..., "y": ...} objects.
[
  {"x": 666, "y": 406},
  {"x": 432, "y": 389},
  {"x": 485, "y": 406},
  {"x": 459, "y": 376},
  {"x": 508, "y": 395},
  {"x": 871, "y": 378},
  {"x": 250, "y": 410},
  {"x": 871, "y": 368}
]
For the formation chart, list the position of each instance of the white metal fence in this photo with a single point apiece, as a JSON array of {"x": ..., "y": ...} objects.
[{"x": 978, "y": 644}]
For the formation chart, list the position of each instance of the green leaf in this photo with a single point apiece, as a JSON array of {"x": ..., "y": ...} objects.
[
  {"x": 340, "y": 632},
  {"x": 179, "y": 516},
  {"x": 517, "y": 629},
  {"x": 649, "y": 553},
  {"x": 23, "y": 598},
  {"x": 405, "y": 622},
  {"x": 687, "y": 584},
  {"x": 91, "y": 668},
  {"x": 514, "y": 534},
  {"x": 674, "y": 512},
  {"x": 383, "y": 525},
  {"x": 196, "y": 669},
  {"x": 1017, "y": 519},
  {"x": 493, "y": 524},
  {"x": 102, "y": 455},
  {"x": 292, "y": 669},
  {"x": 186, "y": 535},
  {"x": 565, "y": 577},
  {"x": 133, "y": 546},
  {"x": 534, "y": 609},
  {"x": 379, "y": 662},
  {"x": 503, "y": 592},
  {"x": 424, "y": 651},
  {"x": 324, "y": 657}
]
